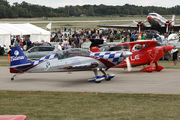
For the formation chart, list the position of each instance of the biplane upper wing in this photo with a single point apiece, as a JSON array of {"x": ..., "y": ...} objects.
[
  {"x": 176, "y": 27},
  {"x": 149, "y": 43}
]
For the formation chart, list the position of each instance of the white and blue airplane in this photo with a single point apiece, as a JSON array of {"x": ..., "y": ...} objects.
[{"x": 75, "y": 59}]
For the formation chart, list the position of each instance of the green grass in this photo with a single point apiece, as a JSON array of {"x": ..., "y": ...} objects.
[
  {"x": 89, "y": 106},
  {"x": 4, "y": 60}
]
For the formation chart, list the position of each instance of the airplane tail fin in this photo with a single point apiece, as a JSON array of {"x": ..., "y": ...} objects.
[
  {"x": 18, "y": 59},
  {"x": 173, "y": 20},
  {"x": 95, "y": 49}
]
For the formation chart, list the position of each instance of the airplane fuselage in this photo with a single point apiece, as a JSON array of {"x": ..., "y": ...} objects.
[
  {"x": 157, "y": 22},
  {"x": 53, "y": 63}
]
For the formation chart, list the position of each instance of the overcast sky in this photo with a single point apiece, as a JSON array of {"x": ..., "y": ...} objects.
[{"x": 62, "y": 3}]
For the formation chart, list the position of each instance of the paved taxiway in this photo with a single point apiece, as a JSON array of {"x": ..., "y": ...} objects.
[{"x": 165, "y": 82}]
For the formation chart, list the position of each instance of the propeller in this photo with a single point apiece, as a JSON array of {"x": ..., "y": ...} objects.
[
  {"x": 168, "y": 25},
  {"x": 126, "y": 54},
  {"x": 140, "y": 25},
  {"x": 129, "y": 68}
]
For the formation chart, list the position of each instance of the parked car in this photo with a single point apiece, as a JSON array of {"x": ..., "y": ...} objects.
[
  {"x": 150, "y": 33},
  {"x": 40, "y": 44},
  {"x": 2, "y": 50},
  {"x": 39, "y": 51}
]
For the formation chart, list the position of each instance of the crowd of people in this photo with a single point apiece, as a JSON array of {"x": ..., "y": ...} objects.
[
  {"x": 79, "y": 36},
  {"x": 24, "y": 41}
]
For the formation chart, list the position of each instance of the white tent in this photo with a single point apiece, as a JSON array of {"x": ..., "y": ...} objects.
[
  {"x": 4, "y": 38},
  {"x": 36, "y": 33}
]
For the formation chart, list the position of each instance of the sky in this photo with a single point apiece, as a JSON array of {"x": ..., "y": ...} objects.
[{"x": 62, "y": 3}]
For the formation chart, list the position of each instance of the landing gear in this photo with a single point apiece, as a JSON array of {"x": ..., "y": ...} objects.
[
  {"x": 98, "y": 79},
  {"x": 15, "y": 76},
  {"x": 151, "y": 68}
]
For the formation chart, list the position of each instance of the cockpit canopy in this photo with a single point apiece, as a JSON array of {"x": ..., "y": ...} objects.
[
  {"x": 152, "y": 14},
  {"x": 71, "y": 53}
]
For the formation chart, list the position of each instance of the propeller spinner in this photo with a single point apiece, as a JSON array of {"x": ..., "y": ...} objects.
[{"x": 140, "y": 25}]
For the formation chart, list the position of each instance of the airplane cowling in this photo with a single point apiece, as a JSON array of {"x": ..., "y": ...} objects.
[
  {"x": 168, "y": 25},
  {"x": 141, "y": 25}
]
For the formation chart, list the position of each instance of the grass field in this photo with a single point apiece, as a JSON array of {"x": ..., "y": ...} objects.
[{"x": 89, "y": 106}]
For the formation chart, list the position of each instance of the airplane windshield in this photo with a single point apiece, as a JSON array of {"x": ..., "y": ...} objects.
[
  {"x": 71, "y": 53},
  {"x": 120, "y": 48},
  {"x": 152, "y": 15},
  {"x": 139, "y": 47}
]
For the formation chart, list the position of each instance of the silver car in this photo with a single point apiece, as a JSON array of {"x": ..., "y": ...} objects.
[{"x": 39, "y": 51}]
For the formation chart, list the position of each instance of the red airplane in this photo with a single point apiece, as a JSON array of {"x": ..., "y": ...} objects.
[{"x": 144, "y": 52}]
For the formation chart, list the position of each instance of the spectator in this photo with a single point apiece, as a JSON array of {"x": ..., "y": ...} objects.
[
  {"x": 139, "y": 37},
  {"x": 59, "y": 46},
  {"x": 174, "y": 55},
  {"x": 111, "y": 37},
  {"x": 143, "y": 37},
  {"x": 153, "y": 38},
  {"x": 16, "y": 43},
  {"x": 122, "y": 39},
  {"x": 104, "y": 38},
  {"x": 28, "y": 43},
  {"x": 21, "y": 43},
  {"x": 132, "y": 38}
]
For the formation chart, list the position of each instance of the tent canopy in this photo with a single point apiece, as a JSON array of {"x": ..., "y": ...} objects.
[{"x": 37, "y": 34}]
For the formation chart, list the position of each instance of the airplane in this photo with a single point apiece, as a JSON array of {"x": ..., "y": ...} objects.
[
  {"x": 143, "y": 52},
  {"x": 156, "y": 21},
  {"x": 74, "y": 59}
]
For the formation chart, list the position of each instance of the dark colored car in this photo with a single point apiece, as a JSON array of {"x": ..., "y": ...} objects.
[
  {"x": 39, "y": 51},
  {"x": 150, "y": 33},
  {"x": 40, "y": 44},
  {"x": 2, "y": 50}
]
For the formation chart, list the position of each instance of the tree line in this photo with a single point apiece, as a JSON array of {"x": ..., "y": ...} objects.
[{"x": 28, "y": 10}]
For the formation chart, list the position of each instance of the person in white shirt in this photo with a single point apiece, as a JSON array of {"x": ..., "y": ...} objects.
[
  {"x": 174, "y": 55},
  {"x": 153, "y": 38},
  {"x": 104, "y": 38},
  {"x": 59, "y": 46},
  {"x": 65, "y": 42}
]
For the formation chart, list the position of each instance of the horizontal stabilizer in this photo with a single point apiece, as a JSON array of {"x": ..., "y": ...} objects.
[{"x": 21, "y": 65}]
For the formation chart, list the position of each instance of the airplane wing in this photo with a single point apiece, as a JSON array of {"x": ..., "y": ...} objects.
[
  {"x": 82, "y": 66},
  {"x": 149, "y": 43},
  {"x": 123, "y": 27},
  {"x": 176, "y": 27}
]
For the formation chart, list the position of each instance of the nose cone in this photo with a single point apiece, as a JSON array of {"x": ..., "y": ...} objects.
[
  {"x": 168, "y": 48},
  {"x": 126, "y": 54},
  {"x": 149, "y": 17}
]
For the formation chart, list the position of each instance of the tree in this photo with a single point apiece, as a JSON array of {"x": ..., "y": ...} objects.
[{"x": 91, "y": 11}]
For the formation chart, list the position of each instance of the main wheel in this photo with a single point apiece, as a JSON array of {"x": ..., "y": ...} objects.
[
  {"x": 12, "y": 78},
  {"x": 98, "y": 81},
  {"x": 108, "y": 79}
]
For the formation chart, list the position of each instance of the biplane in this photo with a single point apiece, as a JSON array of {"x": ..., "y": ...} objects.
[{"x": 143, "y": 52}]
